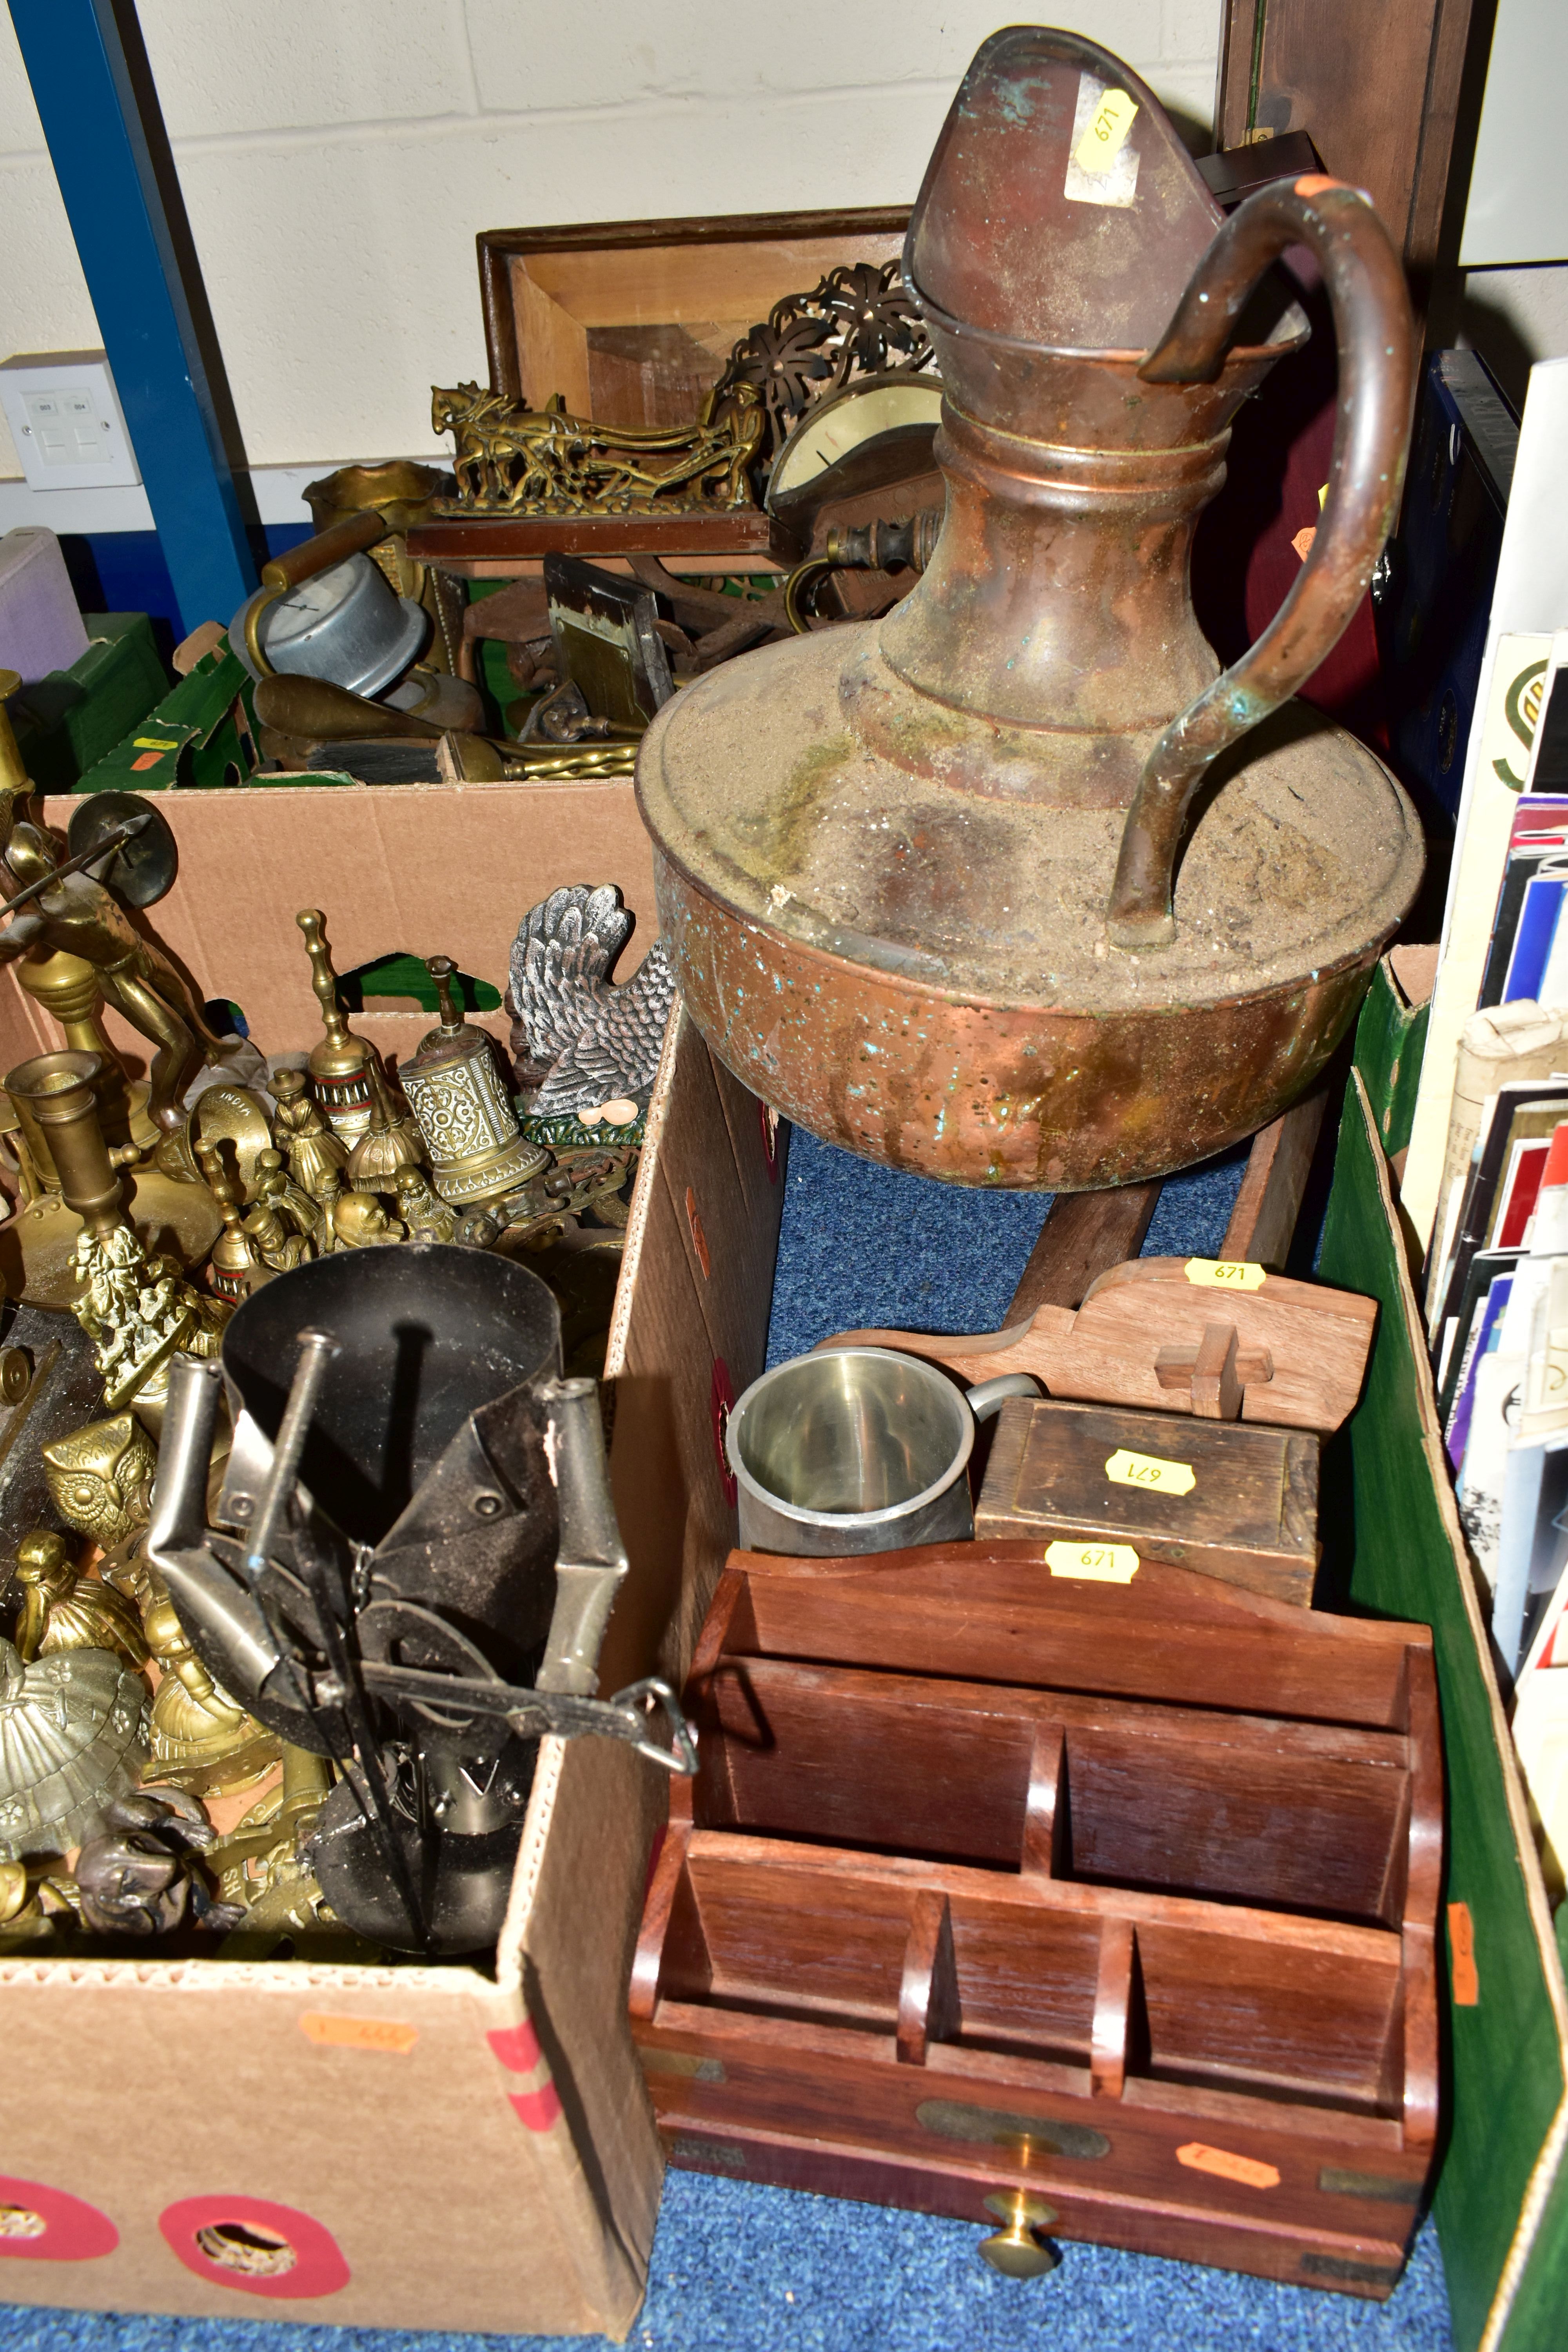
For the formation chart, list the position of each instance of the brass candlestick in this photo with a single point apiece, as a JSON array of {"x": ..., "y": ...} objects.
[
  {"x": 56, "y": 1099},
  {"x": 131, "y": 1302},
  {"x": 339, "y": 1063},
  {"x": 463, "y": 1111},
  {"x": 65, "y": 985}
]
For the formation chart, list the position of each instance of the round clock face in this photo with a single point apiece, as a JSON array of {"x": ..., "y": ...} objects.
[{"x": 877, "y": 431}]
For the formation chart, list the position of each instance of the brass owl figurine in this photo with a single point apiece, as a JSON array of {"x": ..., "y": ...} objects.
[{"x": 100, "y": 1478}]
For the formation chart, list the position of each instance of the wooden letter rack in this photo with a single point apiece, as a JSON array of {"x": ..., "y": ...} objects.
[{"x": 999, "y": 1888}]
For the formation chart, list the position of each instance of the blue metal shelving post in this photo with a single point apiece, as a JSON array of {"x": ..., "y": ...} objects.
[{"x": 76, "y": 57}]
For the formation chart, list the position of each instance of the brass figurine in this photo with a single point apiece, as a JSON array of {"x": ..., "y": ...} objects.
[
  {"x": 858, "y": 321},
  {"x": 64, "y": 1608},
  {"x": 137, "y": 1309},
  {"x": 80, "y": 916},
  {"x": 73, "y": 1736},
  {"x": 31, "y": 1908},
  {"x": 359, "y": 1222},
  {"x": 464, "y": 1112},
  {"x": 142, "y": 1875},
  {"x": 285, "y": 1223},
  {"x": 519, "y": 461},
  {"x": 425, "y": 1217},
  {"x": 100, "y": 1479},
  {"x": 316, "y": 1156},
  {"x": 200, "y": 1738},
  {"x": 389, "y": 1144},
  {"x": 338, "y": 1063},
  {"x": 265, "y": 1869}
]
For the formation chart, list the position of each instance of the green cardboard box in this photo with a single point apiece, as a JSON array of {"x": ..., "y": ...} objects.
[{"x": 201, "y": 733}]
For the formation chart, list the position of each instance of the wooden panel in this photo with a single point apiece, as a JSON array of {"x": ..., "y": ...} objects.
[
  {"x": 552, "y": 346},
  {"x": 1302, "y": 1831},
  {"x": 860, "y": 1759},
  {"x": 993, "y": 1612},
  {"x": 1382, "y": 109},
  {"x": 781, "y": 1942},
  {"x": 496, "y": 546},
  {"x": 1309, "y": 2024},
  {"x": 1026, "y": 1980},
  {"x": 718, "y": 273},
  {"x": 1306, "y": 1817},
  {"x": 729, "y": 1235}
]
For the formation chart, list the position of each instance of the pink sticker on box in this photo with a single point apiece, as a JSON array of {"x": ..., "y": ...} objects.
[
  {"x": 255, "y": 2246},
  {"x": 50, "y": 2225}
]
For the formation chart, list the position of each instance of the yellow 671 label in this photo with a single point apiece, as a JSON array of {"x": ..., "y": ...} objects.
[
  {"x": 1100, "y": 1564},
  {"x": 1108, "y": 127},
  {"x": 1149, "y": 1470},
  {"x": 1224, "y": 1274}
]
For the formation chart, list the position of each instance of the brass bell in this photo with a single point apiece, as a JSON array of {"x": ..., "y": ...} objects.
[
  {"x": 339, "y": 1074},
  {"x": 462, "y": 1109},
  {"x": 1018, "y": 2250}
]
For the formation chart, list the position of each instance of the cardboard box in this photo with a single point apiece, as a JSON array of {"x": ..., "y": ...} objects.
[
  {"x": 439, "y": 2147},
  {"x": 429, "y": 869}
]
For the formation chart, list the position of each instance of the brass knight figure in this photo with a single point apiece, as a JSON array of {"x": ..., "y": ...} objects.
[{"x": 80, "y": 916}]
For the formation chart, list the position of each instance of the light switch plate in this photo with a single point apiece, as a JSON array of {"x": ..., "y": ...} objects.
[{"x": 65, "y": 420}]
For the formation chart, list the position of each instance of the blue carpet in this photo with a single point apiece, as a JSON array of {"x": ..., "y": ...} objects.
[{"x": 742, "y": 2269}]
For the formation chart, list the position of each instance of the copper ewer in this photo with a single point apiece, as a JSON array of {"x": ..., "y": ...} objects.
[{"x": 929, "y": 884}]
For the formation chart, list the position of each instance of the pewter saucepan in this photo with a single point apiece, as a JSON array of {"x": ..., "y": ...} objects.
[{"x": 856, "y": 1450}]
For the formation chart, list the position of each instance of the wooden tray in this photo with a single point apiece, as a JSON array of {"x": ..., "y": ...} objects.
[{"x": 997, "y": 1882}]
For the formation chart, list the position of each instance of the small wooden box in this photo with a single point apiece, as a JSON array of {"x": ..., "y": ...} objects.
[
  {"x": 994, "y": 1882},
  {"x": 1223, "y": 1498}
]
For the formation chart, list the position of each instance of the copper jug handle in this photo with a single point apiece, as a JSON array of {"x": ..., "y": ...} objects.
[{"x": 1376, "y": 340}]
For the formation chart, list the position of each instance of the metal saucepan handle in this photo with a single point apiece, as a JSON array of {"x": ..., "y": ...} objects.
[{"x": 1376, "y": 346}]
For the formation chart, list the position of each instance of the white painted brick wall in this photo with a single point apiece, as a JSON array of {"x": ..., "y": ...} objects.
[{"x": 338, "y": 157}]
